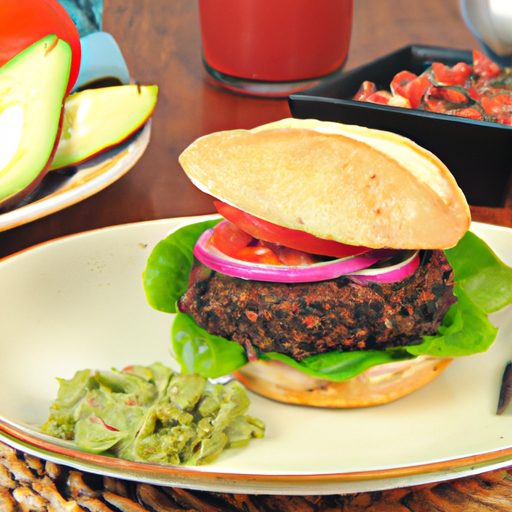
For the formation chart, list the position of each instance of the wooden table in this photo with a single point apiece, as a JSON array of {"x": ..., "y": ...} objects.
[{"x": 160, "y": 40}]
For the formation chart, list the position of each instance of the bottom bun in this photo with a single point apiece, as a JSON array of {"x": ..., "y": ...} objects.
[{"x": 378, "y": 385}]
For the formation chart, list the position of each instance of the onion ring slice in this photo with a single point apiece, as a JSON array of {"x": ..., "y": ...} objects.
[{"x": 218, "y": 261}]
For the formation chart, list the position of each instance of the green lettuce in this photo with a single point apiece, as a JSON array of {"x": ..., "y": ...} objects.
[
  {"x": 483, "y": 286},
  {"x": 169, "y": 264}
]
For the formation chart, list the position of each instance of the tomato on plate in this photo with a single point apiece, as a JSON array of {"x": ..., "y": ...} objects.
[
  {"x": 269, "y": 232},
  {"x": 24, "y": 22}
]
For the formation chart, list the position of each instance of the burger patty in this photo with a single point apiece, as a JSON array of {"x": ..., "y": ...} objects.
[{"x": 305, "y": 319}]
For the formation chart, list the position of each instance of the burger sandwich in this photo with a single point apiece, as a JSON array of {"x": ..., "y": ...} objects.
[{"x": 339, "y": 273}]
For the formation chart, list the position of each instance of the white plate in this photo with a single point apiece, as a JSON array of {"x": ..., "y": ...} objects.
[
  {"x": 59, "y": 190},
  {"x": 78, "y": 302}
]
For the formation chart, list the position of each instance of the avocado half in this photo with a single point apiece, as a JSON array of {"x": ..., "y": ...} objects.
[
  {"x": 32, "y": 89},
  {"x": 98, "y": 119}
]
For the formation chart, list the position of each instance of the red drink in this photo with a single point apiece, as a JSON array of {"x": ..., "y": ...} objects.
[{"x": 275, "y": 40}]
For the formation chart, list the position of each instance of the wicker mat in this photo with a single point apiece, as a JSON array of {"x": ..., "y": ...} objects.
[{"x": 30, "y": 484}]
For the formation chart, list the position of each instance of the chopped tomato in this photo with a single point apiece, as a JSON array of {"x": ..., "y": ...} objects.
[
  {"x": 473, "y": 92},
  {"x": 367, "y": 89},
  {"x": 269, "y": 232},
  {"x": 230, "y": 239},
  {"x": 498, "y": 106},
  {"x": 434, "y": 105},
  {"x": 381, "y": 97},
  {"x": 484, "y": 67},
  {"x": 456, "y": 75},
  {"x": 468, "y": 113},
  {"x": 401, "y": 79},
  {"x": 414, "y": 89},
  {"x": 447, "y": 94}
]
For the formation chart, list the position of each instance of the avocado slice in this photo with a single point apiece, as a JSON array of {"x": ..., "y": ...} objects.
[
  {"x": 97, "y": 119},
  {"x": 32, "y": 88}
]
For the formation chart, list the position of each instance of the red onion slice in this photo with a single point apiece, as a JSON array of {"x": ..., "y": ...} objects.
[
  {"x": 390, "y": 274},
  {"x": 218, "y": 261}
]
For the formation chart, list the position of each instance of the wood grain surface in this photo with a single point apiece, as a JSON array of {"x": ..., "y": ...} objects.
[{"x": 160, "y": 40}]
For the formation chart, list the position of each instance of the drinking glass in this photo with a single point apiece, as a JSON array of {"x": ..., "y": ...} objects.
[{"x": 274, "y": 47}]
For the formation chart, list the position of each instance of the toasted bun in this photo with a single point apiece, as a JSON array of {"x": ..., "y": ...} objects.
[
  {"x": 378, "y": 385},
  {"x": 346, "y": 183}
]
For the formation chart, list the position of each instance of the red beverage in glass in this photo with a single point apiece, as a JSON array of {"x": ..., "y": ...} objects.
[{"x": 275, "y": 40}]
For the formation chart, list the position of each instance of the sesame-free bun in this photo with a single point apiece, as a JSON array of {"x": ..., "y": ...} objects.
[
  {"x": 350, "y": 184},
  {"x": 377, "y": 386}
]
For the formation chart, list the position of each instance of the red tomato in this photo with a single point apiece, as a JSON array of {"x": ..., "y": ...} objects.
[
  {"x": 410, "y": 86},
  {"x": 484, "y": 67},
  {"x": 469, "y": 113},
  {"x": 447, "y": 94},
  {"x": 499, "y": 105},
  {"x": 230, "y": 239},
  {"x": 367, "y": 88},
  {"x": 24, "y": 22},
  {"x": 401, "y": 79},
  {"x": 264, "y": 230},
  {"x": 379, "y": 97},
  {"x": 456, "y": 75}
]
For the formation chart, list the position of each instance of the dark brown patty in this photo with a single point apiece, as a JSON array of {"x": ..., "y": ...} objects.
[{"x": 306, "y": 319}]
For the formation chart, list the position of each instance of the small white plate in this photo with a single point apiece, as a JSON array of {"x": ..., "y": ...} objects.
[
  {"x": 78, "y": 302},
  {"x": 58, "y": 190}
]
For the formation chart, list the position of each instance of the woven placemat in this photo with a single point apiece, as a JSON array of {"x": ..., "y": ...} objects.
[{"x": 30, "y": 484}]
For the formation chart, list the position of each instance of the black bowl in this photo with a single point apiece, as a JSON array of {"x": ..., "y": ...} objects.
[{"x": 478, "y": 153}]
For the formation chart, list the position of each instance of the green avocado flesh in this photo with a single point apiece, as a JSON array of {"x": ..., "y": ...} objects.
[
  {"x": 97, "y": 119},
  {"x": 32, "y": 88}
]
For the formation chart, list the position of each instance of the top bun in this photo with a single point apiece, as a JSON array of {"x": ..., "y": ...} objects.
[{"x": 346, "y": 183}]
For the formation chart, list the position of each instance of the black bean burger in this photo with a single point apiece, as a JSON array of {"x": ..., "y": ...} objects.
[{"x": 336, "y": 274}]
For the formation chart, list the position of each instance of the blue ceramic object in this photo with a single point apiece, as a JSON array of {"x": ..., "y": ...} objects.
[
  {"x": 87, "y": 14},
  {"x": 102, "y": 61}
]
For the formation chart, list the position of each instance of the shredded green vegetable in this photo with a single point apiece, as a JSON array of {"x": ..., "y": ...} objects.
[{"x": 152, "y": 414}]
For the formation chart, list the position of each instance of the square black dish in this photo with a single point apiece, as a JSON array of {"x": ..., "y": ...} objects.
[{"x": 478, "y": 153}]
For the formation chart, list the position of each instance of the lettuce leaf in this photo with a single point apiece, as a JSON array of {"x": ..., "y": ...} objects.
[
  {"x": 483, "y": 285},
  {"x": 168, "y": 268},
  {"x": 198, "y": 351},
  {"x": 339, "y": 366},
  {"x": 486, "y": 280},
  {"x": 465, "y": 330}
]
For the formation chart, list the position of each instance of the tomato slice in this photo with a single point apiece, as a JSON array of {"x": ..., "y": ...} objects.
[
  {"x": 230, "y": 239},
  {"x": 269, "y": 232}
]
